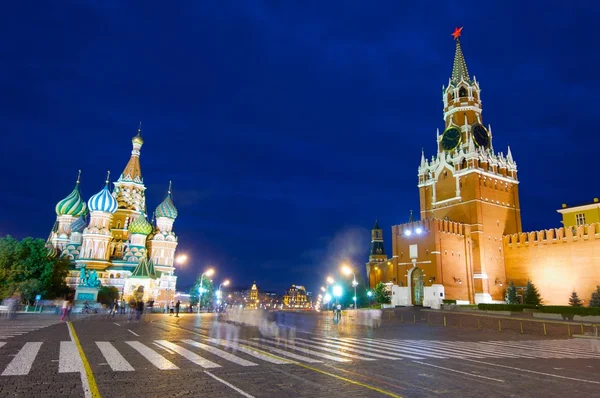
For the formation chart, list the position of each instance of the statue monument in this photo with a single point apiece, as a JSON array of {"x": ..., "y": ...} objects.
[{"x": 87, "y": 289}]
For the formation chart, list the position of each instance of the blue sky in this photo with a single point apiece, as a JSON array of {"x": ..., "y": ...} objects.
[{"x": 286, "y": 127}]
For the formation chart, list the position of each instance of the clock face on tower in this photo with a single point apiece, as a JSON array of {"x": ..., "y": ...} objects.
[
  {"x": 450, "y": 138},
  {"x": 480, "y": 136}
]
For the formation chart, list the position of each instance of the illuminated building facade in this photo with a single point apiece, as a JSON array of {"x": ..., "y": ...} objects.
[
  {"x": 112, "y": 235},
  {"x": 469, "y": 237},
  {"x": 296, "y": 297}
]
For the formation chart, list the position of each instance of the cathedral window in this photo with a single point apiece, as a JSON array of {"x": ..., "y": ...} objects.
[
  {"x": 463, "y": 165},
  {"x": 580, "y": 219},
  {"x": 462, "y": 92}
]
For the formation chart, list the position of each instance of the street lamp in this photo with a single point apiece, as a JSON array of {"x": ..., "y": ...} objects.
[
  {"x": 224, "y": 283},
  {"x": 181, "y": 259},
  {"x": 337, "y": 292},
  {"x": 208, "y": 273},
  {"x": 330, "y": 280},
  {"x": 369, "y": 294},
  {"x": 347, "y": 271}
]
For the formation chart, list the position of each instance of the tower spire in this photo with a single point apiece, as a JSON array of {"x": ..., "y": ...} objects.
[
  {"x": 459, "y": 70},
  {"x": 423, "y": 164},
  {"x": 133, "y": 171},
  {"x": 107, "y": 177},
  {"x": 78, "y": 177}
]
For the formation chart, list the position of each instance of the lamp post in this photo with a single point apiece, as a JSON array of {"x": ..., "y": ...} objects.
[
  {"x": 181, "y": 259},
  {"x": 370, "y": 294},
  {"x": 208, "y": 272},
  {"x": 347, "y": 271},
  {"x": 224, "y": 283}
]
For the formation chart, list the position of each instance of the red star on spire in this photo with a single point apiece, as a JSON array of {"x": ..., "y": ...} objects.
[{"x": 457, "y": 32}]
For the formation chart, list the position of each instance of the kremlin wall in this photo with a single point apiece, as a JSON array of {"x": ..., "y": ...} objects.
[{"x": 469, "y": 244}]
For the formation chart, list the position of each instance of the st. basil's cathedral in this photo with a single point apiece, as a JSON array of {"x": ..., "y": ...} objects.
[{"x": 111, "y": 234}]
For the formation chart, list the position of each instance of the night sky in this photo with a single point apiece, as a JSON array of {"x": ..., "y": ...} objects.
[{"x": 286, "y": 127}]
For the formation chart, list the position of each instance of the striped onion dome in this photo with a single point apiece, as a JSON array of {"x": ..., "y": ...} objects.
[
  {"x": 140, "y": 226},
  {"x": 72, "y": 205},
  {"x": 78, "y": 225},
  {"x": 167, "y": 208},
  {"x": 103, "y": 200}
]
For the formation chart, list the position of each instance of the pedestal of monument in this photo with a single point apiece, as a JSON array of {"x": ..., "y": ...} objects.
[{"x": 85, "y": 293}]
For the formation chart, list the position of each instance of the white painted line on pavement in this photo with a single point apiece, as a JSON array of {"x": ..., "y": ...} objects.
[
  {"x": 315, "y": 345},
  {"x": 347, "y": 347},
  {"x": 189, "y": 355},
  {"x": 164, "y": 348},
  {"x": 220, "y": 353},
  {"x": 21, "y": 363},
  {"x": 282, "y": 352},
  {"x": 69, "y": 359},
  {"x": 406, "y": 352},
  {"x": 154, "y": 357},
  {"x": 306, "y": 351},
  {"x": 245, "y": 394},
  {"x": 133, "y": 333},
  {"x": 251, "y": 352},
  {"x": 458, "y": 371},
  {"x": 114, "y": 359},
  {"x": 533, "y": 371},
  {"x": 118, "y": 324},
  {"x": 2, "y": 343}
]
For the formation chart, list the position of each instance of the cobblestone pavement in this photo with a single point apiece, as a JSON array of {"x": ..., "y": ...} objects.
[
  {"x": 307, "y": 355},
  {"x": 25, "y": 323}
]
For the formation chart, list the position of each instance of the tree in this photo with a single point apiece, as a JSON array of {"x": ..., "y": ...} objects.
[
  {"x": 511, "y": 294},
  {"x": 532, "y": 296},
  {"x": 595, "y": 299},
  {"x": 27, "y": 269},
  {"x": 382, "y": 294},
  {"x": 208, "y": 292},
  {"x": 574, "y": 300},
  {"x": 107, "y": 295}
]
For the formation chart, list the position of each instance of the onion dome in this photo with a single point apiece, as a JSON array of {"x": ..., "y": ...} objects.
[
  {"x": 138, "y": 137},
  {"x": 103, "y": 200},
  {"x": 72, "y": 205},
  {"x": 78, "y": 225},
  {"x": 140, "y": 226},
  {"x": 167, "y": 208}
]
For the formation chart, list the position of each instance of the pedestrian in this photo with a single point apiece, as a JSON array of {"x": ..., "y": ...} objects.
[
  {"x": 69, "y": 309},
  {"x": 139, "y": 310},
  {"x": 177, "y": 308},
  {"x": 64, "y": 310},
  {"x": 123, "y": 306},
  {"x": 132, "y": 305},
  {"x": 113, "y": 309},
  {"x": 171, "y": 308}
]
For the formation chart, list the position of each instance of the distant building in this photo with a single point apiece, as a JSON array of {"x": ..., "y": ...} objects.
[
  {"x": 585, "y": 214},
  {"x": 296, "y": 297},
  {"x": 253, "y": 299}
]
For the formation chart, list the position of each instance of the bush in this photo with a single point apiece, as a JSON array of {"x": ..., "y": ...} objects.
[
  {"x": 449, "y": 301},
  {"x": 568, "y": 310},
  {"x": 505, "y": 307}
]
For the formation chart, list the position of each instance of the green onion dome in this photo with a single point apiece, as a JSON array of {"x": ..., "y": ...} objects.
[
  {"x": 167, "y": 207},
  {"x": 72, "y": 205},
  {"x": 140, "y": 226}
]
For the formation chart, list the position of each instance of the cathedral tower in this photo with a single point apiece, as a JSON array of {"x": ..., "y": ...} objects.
[
  {"x": 130, "y": 194},
  {"x": 467, "y": 182},
  {"x": 67, "y": 211},
  {"x": 96, "y": 237},
  {"x": 163, "y": 242}
]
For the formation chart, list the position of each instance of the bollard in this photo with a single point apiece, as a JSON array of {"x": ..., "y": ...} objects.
[
  {"x": 499, "y": 326},
  {"x": 521, "y": 327},
  {"x": 444, "y": 320},
  {"x": 569, "y": 329},
  {"x": 544, "y": 328},
  {"x": 414, "y": 318}
]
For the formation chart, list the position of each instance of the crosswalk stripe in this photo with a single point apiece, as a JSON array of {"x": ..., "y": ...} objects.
[
  {"x": 500, "y": 352},
  {"x": 154, "y": 357},
  {"x": 316, "y": 345},
  {"x": 547, "y": 352},
  {"x": 114, "y": 359},
  {"x": 452, "y": 351},
  {"x": 22, "y": 362},
  {"x": 406, "y": 352},
  {"x": 189, "y": 355},
  {"x": 508, "y": 349},
  {"x": 425, "y": 350},
  {"x": 528, "y": 350},
  {"x": 568, "y": 347},
  {"x": 220, "y": 353},
  {"x": 282, "y": 352},
  {"x": 251, "y": 352},
  {"x": 2, "y": 343},
  {"x": 68, "y": 358},
  {"x": 351, "y": 347},
  {"x": 305, "y": 350},
  {"x": 471, "y": 349}
]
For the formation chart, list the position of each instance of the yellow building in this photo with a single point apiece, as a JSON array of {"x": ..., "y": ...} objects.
[
  {"x": 253, "y": 300},
  {"x": 296, "y": 297},
  {"x": 580, "y": 215}
]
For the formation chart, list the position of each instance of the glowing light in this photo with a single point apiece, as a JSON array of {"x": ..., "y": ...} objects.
[
  {"x": 209, "y": 272},
  {"x": 225, "y": 283},
  {"x": 418, "y": 230},
  {"x": 327, "y": 298},
  {"x": 408, "y": 232},
  {"x": 337, "y": 291},
  {"x": 346, "y": 270},
  {"x": 330, "y": 280},
  {"x": 369, "y": 293},
  {"x": 181, "y": 259}
]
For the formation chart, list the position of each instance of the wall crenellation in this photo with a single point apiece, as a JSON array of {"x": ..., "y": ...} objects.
[
  {"x": 431, "y": 224},
  {"x": 554, "y": 235}
]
